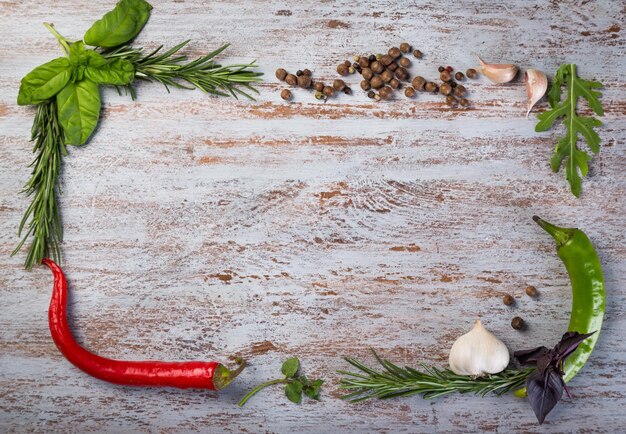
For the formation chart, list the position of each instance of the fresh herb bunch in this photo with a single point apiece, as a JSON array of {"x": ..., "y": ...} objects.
[
  {"x": 430, "y": 382},
  {"x": 566, "y": 148},
  {"x": 295, "y": 385},
  {"x": 66, "y": 91}
]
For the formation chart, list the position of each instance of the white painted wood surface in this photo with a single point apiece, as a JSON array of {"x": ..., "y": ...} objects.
[{"x": 200, "y": 228}]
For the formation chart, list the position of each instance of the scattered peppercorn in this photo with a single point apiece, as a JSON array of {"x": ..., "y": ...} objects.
[
  {"x": 459, "y": 76},
  {"x": 371, "y": 58},
  {"x": 385, "y": 92},
  {"x": 518, "y": 323},
  {"x": 371, "y": 94},
  {"x": 392, "y": 66},
  {"x": 464, "y": 102},
  {"x": 386, "y": 76},
  {"x": 328, "y": 91},
  {"x": 386, "y": 59},
  {"x": 319, "y": 86},
  {"x": 367, "y": 73},
  {"x": 405, "y": 47},
  {"x": 430, "y": 87},
  {"x": 394, "y": 52},
  {"x": 453, "y": 83},
  {"x": 531, "y": 291},
  {"x": 450, "y": 100},
  {"x": 281, "y": 74},
  {"x": 508, "y": 300},
  {"x": 304, "y": 81},
  {"x": 285, "y": 94},
  {"x": 418, "y": 83},
  {"x": 365, "y": 85},
  {"x": 460, "y": 91},
  {"x": 409, "y": 92},
  {"x": 291, "y": 79},
  {"x": 342, "y": 69},
  {"x": 355, "y": 57},
  {"x": 378, "y": 56},
  {"x": 306, "y": 72},
  {"x": 449, "y": 68},
  {"x": 351, "y": 70},
  {"x": 394, "y": 83},
  {"x": 404, "y": 62},
  {"x": 441, "y": 69},
  {"x": 357, "y": 67},
  {"x": 377, "y": 67},
  {"x": 376, "y": 82},
  {"x": 339, "y": 84},
  {"x": 299, "y": 73},
  {"x": 347, "y": 90},
  {"x": 445, "y": 76},
  {"x": 364, "y": 62},
  {"x": 319, "y": 95},
  {"x": 347, "y": 63},
  {"x": 402, "y": 73},
  {"x": 471, "y": 73},
  {"x": 445, "y": 89},
  {"x": 417, "y": 54}
]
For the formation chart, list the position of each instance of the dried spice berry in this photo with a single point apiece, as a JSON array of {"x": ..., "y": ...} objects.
[
  {"x": 405, "y": 47},
  {"x": 343, "y": 69},
  {"x": 386, "y": 76},
  {"x": 339, "y": 85},
  {"x": 459, "y": 76},
  {"x": 471, "y": 73},
  {"x": 371, "y": 58},
  {"x": 347, "y": 90},
  {"x": 404, "y": 62},
  {"x": 445, "y": 76},
  {"x": 281, "y": 74},
  {"x": 376, "y": 82},
  {"x": 347, "y": 63},
  {"x": 319, "y": 86},
  {"x": 460, "y": 91},
  {"x": 371, "y": 94},
  {"x": 418, "y": 83},
  {"x": 367, "y": 73},
  {"x": 356, "y": 67},
  {"x": 449, "y": 68},
  {"x": 531, "y": 291},
  {"x": 291, "y": 80},
  {"x": 386, "y": 92},
  {"x": 285, "y": 94},
  {"x": 508, "y": 299},
  {"x": 417, "y": 54},
  {"x": 518, "y": 323},
  {"x": 451, "y": 101},
  {"x": 377, "y": 67},
  {"x": 319, "y": 95},
  {"x": 306, "y": 72},
  {"x": 394, "y": 83},
  {"x": 304, "y": 81},
  {"x": 441, "y": 69},
  {"x": 386, "y": 59},
  {"x": 392, "y": 66},
  {"x": 453, "y": 83},
  {"x": 445, "y": 89},
  {"x": 328, "y": 91},
  {"x": 394, "y": 52},
  {"x": 299, "y": 73},
  {"x": 365, "y": 85},
  {"x": 430, "y": 87},
  {"x": 464, "y": 102},
  {"x": 402, "y": 73},
  {"x": 409, "y": 92},
  {"x": 364, "y": 62}
]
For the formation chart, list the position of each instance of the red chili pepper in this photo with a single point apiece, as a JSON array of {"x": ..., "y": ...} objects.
[{"x": 203, "y": 375}]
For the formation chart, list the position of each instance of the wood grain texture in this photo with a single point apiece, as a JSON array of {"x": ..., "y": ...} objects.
[{"x": 199, "y": 228}]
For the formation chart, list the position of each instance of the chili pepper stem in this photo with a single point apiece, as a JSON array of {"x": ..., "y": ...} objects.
[
  {"x": 224, "y": 376},
  {"x": 561, "y": 235},
  {"x": 261, "y": 387}
]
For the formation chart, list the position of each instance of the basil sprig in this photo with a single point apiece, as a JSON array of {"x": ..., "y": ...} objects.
[{"x": 120, "y": 25}]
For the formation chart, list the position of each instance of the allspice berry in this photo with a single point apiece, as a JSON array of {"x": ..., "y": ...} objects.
[
  {"x": 285, "y": 94},
  {"x": 307, "y": 71},
  {"x": 471, "y": 73},
  {"x": 365, "y": 85},
  {"x": 418, "y": 83},
  {"x": 281, "y": 74},
  {"x": 394, "y": 52},
  {"x": 430, "y": 87},
  {"x": 402, "y": 73},
  {"x": 328, "y": 91},
  {"x": 304, "y": 81},
  {"x": 460, "y": 91},
  {"x": 343, "y": 69},
  {"x": 394, "y": 83},
  {"x": 371, "y": 94},
  {"x": 392, "y": 66},
  {"x": 376, "y": 82},
  {"x": 319, "y": 86},
  {"x": 409, "y": 92},
  {"x": 367, "y": 73},
  {"x": 518, "y": 323},
  {"x": 405, "y": 47},
  {"x": 376, "y": 67},
  {"x": 385, "y": 92},
  {"x": 347, "y": 63},
  {"x": 386, "y": 76},
  {"x": 445, "y": 89},
  {"x": 339, "y": 85},
  {"x": 445, "y": 76},
  {"x": 417, "y": 54},
  {"x": 531, "y": 291},
  {"x": 404, "y": 62},
  {"x": 386, "y": 59},
  {"x": 459, "y": 76},
  {"x": 291, "y": 80},
  {"x": 450, "y": 100},
  {"x": 508, "y": 299},
  {"x": 364, "y": 62},
  {"x": 464, "y": 102}
]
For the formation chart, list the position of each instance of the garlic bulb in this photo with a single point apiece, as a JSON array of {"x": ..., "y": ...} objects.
[
  {"x": 478, "y": 353},
  {"x": 498, "y": 72},
  {"x": 536, "y": 86}
]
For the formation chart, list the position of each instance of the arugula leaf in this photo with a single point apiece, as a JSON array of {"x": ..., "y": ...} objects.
[
  {"x": 290, "y": 367},
  {"x": 120, "y": 25},
  {"x": 78, "y": 106},
  {"x": 566, "y": 149},
  {"x": 45, "y": 81},
  {"x": 293, "y": 391}
]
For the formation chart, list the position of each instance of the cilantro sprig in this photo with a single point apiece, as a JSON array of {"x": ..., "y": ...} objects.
[{"x": 295, "y": 384}]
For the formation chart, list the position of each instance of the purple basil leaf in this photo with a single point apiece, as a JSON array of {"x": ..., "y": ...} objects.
[
  {"x": 530, "y": 357},
  {"x": 544, "y": 390},
  {"x": 548, "y": 359},
  {"x": 569, "y": 343}
]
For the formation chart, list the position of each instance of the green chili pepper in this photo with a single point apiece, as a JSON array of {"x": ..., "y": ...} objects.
[{"x": 588, "y": 296}]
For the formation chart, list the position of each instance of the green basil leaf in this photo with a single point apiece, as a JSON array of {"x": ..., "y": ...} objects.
[
  {"x": 293, "y": 391},
  {"x": 312, "y": 390},
  {"x": 120, "y": 25},
  {"x": 102, "y": 71},
  {"x": 78, "y": 106},
  {"x": 290, "y": 367},
  {"x": 45, "y": 81}
]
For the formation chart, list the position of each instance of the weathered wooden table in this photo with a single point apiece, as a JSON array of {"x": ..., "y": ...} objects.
[{"x": 198, "y": 227}]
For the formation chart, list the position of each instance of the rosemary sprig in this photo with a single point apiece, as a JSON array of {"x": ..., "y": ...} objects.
[
  {"x": 42, "y": 215},
  {"x": 430, "y": 382},
  {"x": 169, "y": 69}
]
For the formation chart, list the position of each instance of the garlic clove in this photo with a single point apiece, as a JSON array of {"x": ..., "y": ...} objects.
[
  {"x": 536, "y": 87},
  {"x": 478, "y": 353},
  {"x": 498, "y": 72}
]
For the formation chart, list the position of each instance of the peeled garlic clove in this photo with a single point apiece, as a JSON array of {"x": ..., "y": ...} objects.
[
  {"x": 536, "y": 87},
  {"x": 478, "y": 353},
  {"x": 498, "y": 72}
]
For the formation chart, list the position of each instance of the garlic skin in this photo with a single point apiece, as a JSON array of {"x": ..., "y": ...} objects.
[
  {"x": 498, "y": 72},
  {"x": 478, "y": 353},
  {"x": 536, "y": 87}
]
